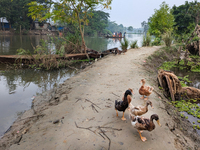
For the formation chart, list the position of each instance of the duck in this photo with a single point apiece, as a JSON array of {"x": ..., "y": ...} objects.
[
  {"x": 123, "y": 105},
  {"x": 141, "y": 123},
  {"x": 145, "y": 90},
  {"x": 139, "y": 110}
]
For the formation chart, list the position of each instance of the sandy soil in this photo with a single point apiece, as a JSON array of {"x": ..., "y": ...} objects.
[{"x": 83, "y": 107}]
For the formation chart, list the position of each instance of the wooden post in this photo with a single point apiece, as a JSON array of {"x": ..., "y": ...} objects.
[
  {"x": 20, "y": 29},
  {"x": 199, "y": 47}
]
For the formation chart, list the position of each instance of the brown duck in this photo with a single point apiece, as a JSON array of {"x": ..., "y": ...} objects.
[{"x": 142, "y": 123}]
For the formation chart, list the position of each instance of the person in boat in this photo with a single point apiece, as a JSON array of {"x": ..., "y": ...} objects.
[
  {"x": 120, "y": 34},
  {"x": 114, "y": 34},
  {"x": 124, "y": 34}
]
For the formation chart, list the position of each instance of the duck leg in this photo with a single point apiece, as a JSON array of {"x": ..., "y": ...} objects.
[
  {"x": 142, "y": 138},
  {"x": 146, "y": 98},
  {"x": 116, "y": 113},
  {"x": 123, "y": 117},
  {"x": 142, "y": 97}
]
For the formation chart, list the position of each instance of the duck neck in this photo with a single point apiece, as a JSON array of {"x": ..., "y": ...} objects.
[{"x": 146, "y": 107}]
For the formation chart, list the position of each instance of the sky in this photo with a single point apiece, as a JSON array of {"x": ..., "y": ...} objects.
[{"x": 132, "y": 12}]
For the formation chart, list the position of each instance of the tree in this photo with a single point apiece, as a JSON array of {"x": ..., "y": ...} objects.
[
  {"x": 97, "y": 23},
  {"x": 130, "y": 28},
  {"x": 114, "y": 27},
  {"x": 15, "y": 11},
  {"x": 194, "y": 11},
  {"x": 184, "y": 22},
  {"x": 70, "y": 11},
  {"x": 145, "y": 25},
  {"x": 161, "y": 21}
]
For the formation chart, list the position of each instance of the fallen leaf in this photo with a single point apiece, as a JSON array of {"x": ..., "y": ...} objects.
[{"x": 64, "y": 141}]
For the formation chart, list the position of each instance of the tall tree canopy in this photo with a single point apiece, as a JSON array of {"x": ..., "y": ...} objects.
[
  {"x": 98, "y": 21},
  {"x": 185, "y": 17},
  {"x": 70, "y": 11},
  {"x": 114, "y": 27},
  {"x": 130, "y": 28},
  {"x": 161, "y": 21},
  {"x": 15, "y": 11}
]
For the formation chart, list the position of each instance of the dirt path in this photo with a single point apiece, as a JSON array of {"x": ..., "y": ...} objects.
[{"x": 87, "y": 101}]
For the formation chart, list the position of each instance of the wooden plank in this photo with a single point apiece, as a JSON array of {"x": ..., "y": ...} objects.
[{"x": 12, "y": 58}]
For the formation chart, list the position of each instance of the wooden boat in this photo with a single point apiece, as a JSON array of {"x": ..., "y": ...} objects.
[{"x": 114, "y": 37}]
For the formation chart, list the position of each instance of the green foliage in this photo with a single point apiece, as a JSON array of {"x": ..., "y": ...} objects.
[
  {"x": 43, "y": 57},
  {"x": 69, "y": 11},
  {"x": 167, "y": 38},
  {"x": 196, "y": 38},
  {"x": 114, "y": 27},
  {"x": 130, "y": 28},
  {"x": 98, "y": 21},
  {"x": 168, "y": 65},
  {"x": 188, "y": 106},
  {"x": 161, "y": 21},
  {"x": 183, "y": 80},
  {"x": 15, "y": 11},
  {"x": 134, "y": 44},
  {"x": 156, "y": 41},
  {"x": 184, "y": 22},
  {"x": 124, "y": 44},
  {"x": 146, "y": 40}
]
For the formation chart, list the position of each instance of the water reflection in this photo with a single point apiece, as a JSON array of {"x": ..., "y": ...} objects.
[
  {"x": 101, "y": 43},
  {"x": 10, "y": 43},
  {"x": 195, "y": 78},
  {"x": 17, "y": 87}
]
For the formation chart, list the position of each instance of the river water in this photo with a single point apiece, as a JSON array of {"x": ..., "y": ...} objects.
[{"x": 18, "y": 87}]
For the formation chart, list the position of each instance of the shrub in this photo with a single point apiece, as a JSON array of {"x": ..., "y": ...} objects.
[
  {"x": 146, "y": 40},
  {"x": 167, "y": 38},
  {"x": 124, "y": 44},
  {"x": 134, "y": 44},
  {"x": 156, "y": 42}
]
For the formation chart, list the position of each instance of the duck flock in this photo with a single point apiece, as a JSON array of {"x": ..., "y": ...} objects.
[{"x": 135, "y": 112}]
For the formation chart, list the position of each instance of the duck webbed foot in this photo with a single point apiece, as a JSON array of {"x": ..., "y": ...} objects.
[
  {"x": 142, "y": 97},
  {"x": 142, "y": 138},
  {"x": 116, "y": 113},
  {"x": 123, "y": 118},
  {"x": 146, "y": 98}
]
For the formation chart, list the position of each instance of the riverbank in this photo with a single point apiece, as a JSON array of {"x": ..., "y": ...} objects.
[
  {"x": 74, "y": 115},
  {"x": 29, "y": 32}
]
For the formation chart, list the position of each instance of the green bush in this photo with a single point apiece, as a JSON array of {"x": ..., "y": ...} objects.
[
  {"x": 156, "y": 42},
  {"x": 146, "y": 40},
  {"x": 167, "y": 38},
  {"x": 124, "y": 44},
  {"x": 134, "y": 44}
]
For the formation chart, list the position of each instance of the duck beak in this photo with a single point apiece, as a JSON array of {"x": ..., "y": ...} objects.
[{"x": 158, "y": 123}]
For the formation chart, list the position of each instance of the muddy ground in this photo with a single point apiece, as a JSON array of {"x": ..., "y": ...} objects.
[{"x": 80, "y": 113}]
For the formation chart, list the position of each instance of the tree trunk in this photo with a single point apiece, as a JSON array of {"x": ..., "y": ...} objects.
[
  {"x": 82, "y": 36},
  {"x": 0, "y": 25},
  {"x": 10, "y": 25}
]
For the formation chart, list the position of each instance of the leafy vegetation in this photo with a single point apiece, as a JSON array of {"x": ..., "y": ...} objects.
[
  {"x": 69, "y": 11},
  {"x": 190, "y": 107},
  {"x": 43, "y": 57},
  {"x": 156, "y": 41},
  {"x": 114, "y": 27},
  {"x": 98, "y": 22},
  {"x": 15, "y": 11},
  {"x": 124, "y": 44},
  {"x": 161, "y": 21},
  {"x": 134, "y": 44},
  {"x": 146, "y": 40},
  {"x": 167, "y": 38}
]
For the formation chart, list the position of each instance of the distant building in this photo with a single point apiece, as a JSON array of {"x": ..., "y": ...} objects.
[{"x": 4, "y": 24}]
